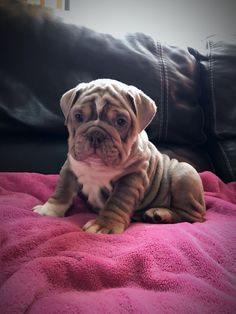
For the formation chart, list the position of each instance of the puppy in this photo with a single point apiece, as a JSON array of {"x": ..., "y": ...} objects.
[{"x": 112, "y": 162}]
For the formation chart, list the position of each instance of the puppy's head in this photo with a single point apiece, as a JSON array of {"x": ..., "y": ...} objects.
[{"x": 104, "y": 118}]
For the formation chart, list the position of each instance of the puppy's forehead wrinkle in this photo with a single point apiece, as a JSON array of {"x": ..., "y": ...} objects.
[
  {"x": 108, "y": 92},
  {"x": 87, "y": 98}
]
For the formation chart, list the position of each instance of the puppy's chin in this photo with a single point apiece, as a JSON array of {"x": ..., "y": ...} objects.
[{"x": 95, "y": 160}]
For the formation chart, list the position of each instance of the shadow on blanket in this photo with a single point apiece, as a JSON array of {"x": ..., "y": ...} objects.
[{"x": 49, "y": 265}]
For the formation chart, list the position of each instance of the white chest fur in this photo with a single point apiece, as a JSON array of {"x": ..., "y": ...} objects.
[{"x": 93, "y": 176}]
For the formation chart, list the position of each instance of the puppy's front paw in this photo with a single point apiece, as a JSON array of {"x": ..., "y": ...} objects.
[
  {"x": 49, "y": 209},
  {"x": 100, "y": 226}
]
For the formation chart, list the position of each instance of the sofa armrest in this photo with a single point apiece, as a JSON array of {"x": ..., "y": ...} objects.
[{"x": 218, "y": 82}]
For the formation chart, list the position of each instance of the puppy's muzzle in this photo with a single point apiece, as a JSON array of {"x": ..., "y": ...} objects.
[{"x": 96, "y": 136}]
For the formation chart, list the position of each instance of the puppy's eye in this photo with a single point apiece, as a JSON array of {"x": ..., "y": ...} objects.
[
  {"x": 79, "y": 117},
  {"x": 120, "y": 122}
]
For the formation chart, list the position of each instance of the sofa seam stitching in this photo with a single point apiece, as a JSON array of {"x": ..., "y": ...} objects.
[
  {"x": 167, "y": 91},
  {"x": 162, "y": 90},
  {"x": 158, "y": 50},
  {"x": 211, "y": 61}
]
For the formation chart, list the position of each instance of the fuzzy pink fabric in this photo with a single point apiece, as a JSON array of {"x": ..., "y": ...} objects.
[{"x": 49, "y": 265}]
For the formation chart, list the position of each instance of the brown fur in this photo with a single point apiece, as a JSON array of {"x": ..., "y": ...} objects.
[{"x": 139, "y": 182}]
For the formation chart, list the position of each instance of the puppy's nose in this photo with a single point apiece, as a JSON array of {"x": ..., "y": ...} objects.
[{"x": 96, "y": 138}]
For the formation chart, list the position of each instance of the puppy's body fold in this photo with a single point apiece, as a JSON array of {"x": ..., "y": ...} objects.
[{"x": 112, "y": 162}]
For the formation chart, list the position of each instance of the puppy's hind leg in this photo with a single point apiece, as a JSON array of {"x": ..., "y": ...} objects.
[
  {"x": 187, "y": 196},
  {"x": 160, "y": 215},
  {"x": 62, "y": 198},
  {"x": 165, "y": 215}
]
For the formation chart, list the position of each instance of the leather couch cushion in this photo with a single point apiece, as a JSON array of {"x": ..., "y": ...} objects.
[
  {"x": 41, "y": 58},
  {"x": 218, "y": 73}
]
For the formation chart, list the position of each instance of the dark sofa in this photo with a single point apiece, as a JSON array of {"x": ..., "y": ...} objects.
[{"x": 41, "y": 58}]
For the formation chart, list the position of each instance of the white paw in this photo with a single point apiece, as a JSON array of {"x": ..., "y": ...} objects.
[
  {"x": 48, "y": 209},
  {"x": 100, "y": 226}
]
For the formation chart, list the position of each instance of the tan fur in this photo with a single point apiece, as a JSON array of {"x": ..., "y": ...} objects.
[{"x": 113, "y": 163}]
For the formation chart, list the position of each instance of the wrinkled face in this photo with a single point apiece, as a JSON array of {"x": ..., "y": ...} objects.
[
  {"x": 99, "y": 127},
  {"x": 103, "y": 122}
]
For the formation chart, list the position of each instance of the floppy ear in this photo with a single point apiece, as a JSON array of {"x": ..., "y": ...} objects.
[
  {"x": 67, "y": 101},
  {"x": 69, "y": 98},
  {"x": 144, "y": 107}
]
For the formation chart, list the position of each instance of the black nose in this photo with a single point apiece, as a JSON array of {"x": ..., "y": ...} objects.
[{"x": 96, "y": 138}]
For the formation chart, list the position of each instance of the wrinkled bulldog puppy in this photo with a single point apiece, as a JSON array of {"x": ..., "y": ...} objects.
[{"x": 112, "y": 162}]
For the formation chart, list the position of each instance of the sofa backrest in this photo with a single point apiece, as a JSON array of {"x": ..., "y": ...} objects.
[{"x": 41, "y": 58}]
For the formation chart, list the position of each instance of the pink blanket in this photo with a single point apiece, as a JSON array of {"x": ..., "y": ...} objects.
[{"x": 49, "y": 265}]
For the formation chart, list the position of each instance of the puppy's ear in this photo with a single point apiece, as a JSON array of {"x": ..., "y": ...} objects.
[
  {"x": 69, "y": 99},
  {"x": 144, "y": 107}
]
